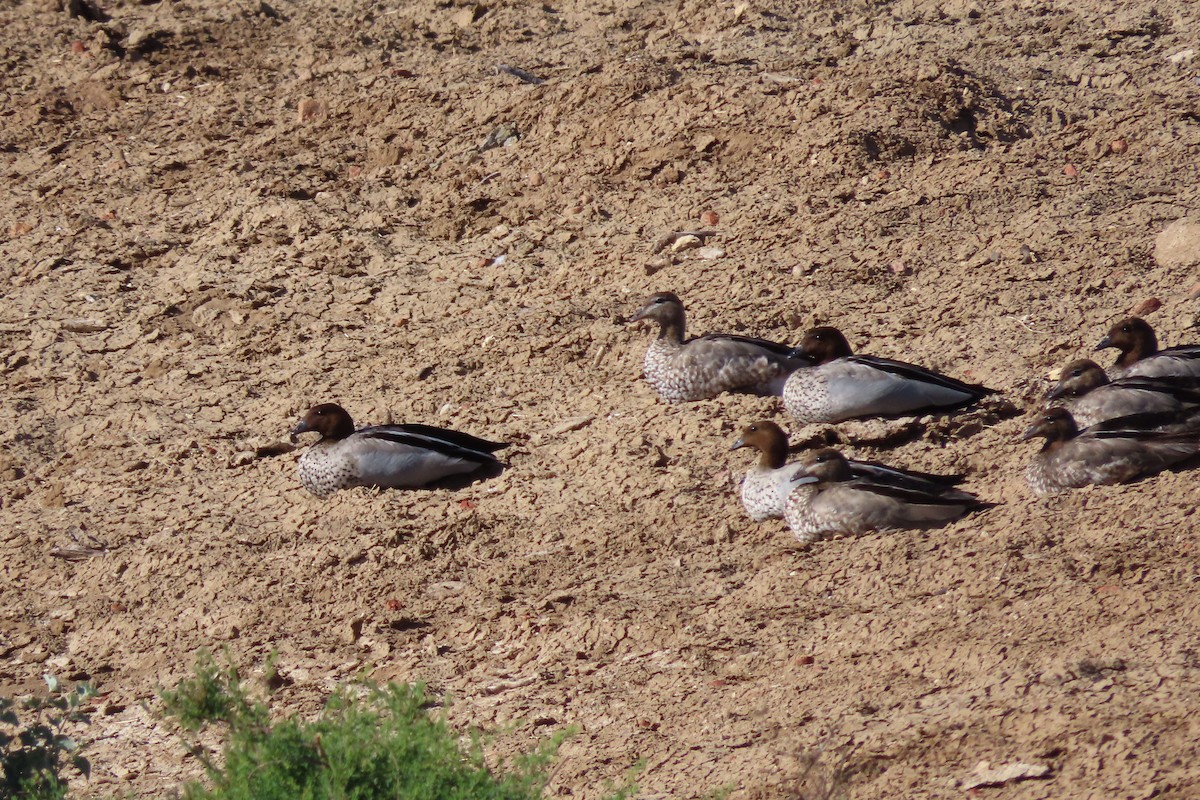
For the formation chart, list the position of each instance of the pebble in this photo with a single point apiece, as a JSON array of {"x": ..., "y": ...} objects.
[
  {"x": 309, "y": 109},
  {"x": 710, "y": 218},
  {"x": 1118, "y": 146},
  {"x": 710, "y": 253},
  {"x": 685, "y": 242},
  {"x": 84, "y": 326},
  {"x": 1147, "y": 306},
  {"x": 1070, "y": 170},
  {"x": 1178, "y": 245}
]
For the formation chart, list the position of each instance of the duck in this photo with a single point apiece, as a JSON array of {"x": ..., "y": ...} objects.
[
  {"x": 1139, "y": 353},
  {"x": 404, "y": 456},
  {"x": 682, "y": 369},
  {"x": 842, "y": 385},
  {"x": 1085, "y": 390},
  {"x": 827, "y": 498},
  {"x": 766, "y": 484},
  {"x": 1115, "y": 451}
]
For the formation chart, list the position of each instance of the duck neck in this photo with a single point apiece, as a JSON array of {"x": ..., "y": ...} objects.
[
  {"x": 671, "y": 328},
  {"x": 773, "y": 455},
  {"x": 1144, "y": 347}
]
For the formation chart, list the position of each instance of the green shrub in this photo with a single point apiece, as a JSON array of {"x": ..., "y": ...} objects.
[
  {"x": 369, "y": 743},
  {"x": 33, "y": 746}
]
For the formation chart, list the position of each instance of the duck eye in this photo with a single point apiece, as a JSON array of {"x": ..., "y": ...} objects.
[
  {"x": 753, "y": 429},
  {"x": 1125, "y": 329}
]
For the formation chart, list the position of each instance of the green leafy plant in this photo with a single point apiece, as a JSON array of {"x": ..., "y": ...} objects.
[
  {"x": 369, "y": 743},
  {"x": 34, "y": 747}
]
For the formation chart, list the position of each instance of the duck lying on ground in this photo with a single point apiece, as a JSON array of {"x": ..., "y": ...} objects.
[
  {"x": 1138, "y": 345},
  {"x": 766, "y": 485},
  {"x": 844, "y": 386},
  {"x": 829, "y": 499},
  {"x": 1084, "y": 389},
  {"x": 696, "y": 369},
  {"x": 390, "y": 456},
  {"x": 1114, "y": 451}
]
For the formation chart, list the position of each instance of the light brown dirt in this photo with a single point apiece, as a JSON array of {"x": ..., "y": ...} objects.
[{"x": 219, "y": 213}]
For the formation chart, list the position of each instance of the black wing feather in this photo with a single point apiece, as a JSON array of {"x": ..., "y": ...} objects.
[
  {"x": 785, "y": 350},
  {"x": 450, "y": 443},
  {"x": 913, "y": 372},
  {"x": 912, "y": 496}
]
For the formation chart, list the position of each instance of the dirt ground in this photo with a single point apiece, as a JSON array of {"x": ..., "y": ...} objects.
[{"x": 219, "y": 213}]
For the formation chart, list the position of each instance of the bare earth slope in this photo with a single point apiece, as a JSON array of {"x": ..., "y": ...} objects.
[{"x": 220, "y": 213}]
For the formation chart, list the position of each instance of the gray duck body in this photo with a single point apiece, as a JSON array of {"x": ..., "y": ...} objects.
[
  {"x": 1107, "y": 453},
  {"x": 844, "y": 386},
  {"x": 682, "y": 369},
  {"x": 388, "y": 456},
  {"x": 1085, "y": 390},
  {"x": 828, "y": 499}
]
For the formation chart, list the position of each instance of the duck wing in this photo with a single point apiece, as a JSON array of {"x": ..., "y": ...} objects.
[
  {"x": 731, "y": 362},
  {"x": 459, "y": 438},
  {"x": 1115, "y": 456},
  {"x": 866, "y": 386},
  {"x": 415, "y": 441},
  {"x": 1132, "y": 397},
  {"x": 907, "y": 479},
  {"x": 1183, "y": 360},
  {"x": 862, "y": 505}
]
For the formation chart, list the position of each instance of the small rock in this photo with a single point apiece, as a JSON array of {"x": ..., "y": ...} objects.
[
  {"x": 686, "y": 242},
  {"x": 1181, "y": 56},
  {"x": 84, "y": 326},
  {"x": 710, "y": 253},
  {"x": 468, "y": 16},
  {"x": 657, "y": 263},
  {"x": 1179, "y": 244},
  {"x": 309, "y": 109},
  {"x": 803, "y": 661},
  {"x": 572, "y": 424},
  {"x": 1194, "y": 292},
  {"x": 710, "y": 218},
  {"x": 1070, "y": 170},
  {"x": 1147, "y": 306},
  {"x": 535, "y": 179},
  {"x": 898, "y": 267},
  {"x": 1118, "y": 146}
]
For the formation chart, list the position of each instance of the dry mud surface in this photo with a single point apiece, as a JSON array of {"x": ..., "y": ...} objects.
[{"x": 219, "y": 213}]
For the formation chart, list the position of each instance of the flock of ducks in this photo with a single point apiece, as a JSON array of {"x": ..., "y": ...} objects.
[{"x": 1097, "y": 429}]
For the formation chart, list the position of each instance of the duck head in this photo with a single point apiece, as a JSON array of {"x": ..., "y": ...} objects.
[
  {"x": 826, "y": 465},
  {"x": 328, "y": 419},
  {"x": 666, "y": 309},
  {"x": 1134, "y": 337},
  {"x": 768, "y": 439},
  {"x": 824, "y": 344},
  {"x": 1054, "y": 425},
  {"x": 1077, "y": 379}
]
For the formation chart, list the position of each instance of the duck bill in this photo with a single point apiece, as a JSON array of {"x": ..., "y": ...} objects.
[
  {"x": 1056, "y": 392},
  {"x": 638, "y": 316},
  {"x": 1105, "y": 343},
  {"x": 1032, "y": 432},
  {"x": 299, "y": 429},
  {"x": 802, "y": 480},
  {"x": 739, "y": 444}
]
